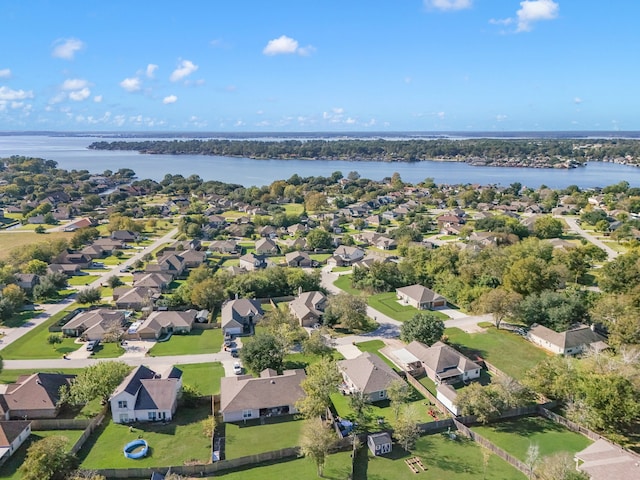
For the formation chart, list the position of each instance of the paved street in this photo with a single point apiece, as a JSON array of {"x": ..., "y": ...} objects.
[{"x": 573, "y": 225}]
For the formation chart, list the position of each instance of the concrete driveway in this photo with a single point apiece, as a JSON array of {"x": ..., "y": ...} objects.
[{"x": 452, "y": 312}]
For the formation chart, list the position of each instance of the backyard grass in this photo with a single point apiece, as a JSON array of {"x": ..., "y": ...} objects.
[
  {"x": 509, "y": 352},
  {"x": 204, "y": 376},
  {"x": 341, "y": 269},
  {"x": 197, "y": 341},
  {"x": 252, "y": 438},
  {"x": 10, "y": 240},
  {"x": 459, "y": 459},
  {"x": 338, "y": 467},
  {"x": 515, "y": 436},
  {"x": 301, "y": 360},
  {"x": 374, "y": 347},
  {"x": 320, "y": 257},
  {"x": 169, "y": 444},
  {"x": 429, "y": 385},
  {"x": 293, "y": 208},
  {"x": 9, "y": 471}
]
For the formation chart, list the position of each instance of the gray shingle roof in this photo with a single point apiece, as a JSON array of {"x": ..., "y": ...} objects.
[{"x": 368, "y": 373}]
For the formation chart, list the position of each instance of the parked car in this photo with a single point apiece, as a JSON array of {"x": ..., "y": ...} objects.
[
  {"x": 92, "y": 345},
  {"x": 234, "y": 353},
  {"x": 237, "y": 368}
]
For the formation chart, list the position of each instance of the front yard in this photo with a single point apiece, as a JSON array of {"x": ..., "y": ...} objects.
[
  {"x": 507, "y": 351},
  {"x": 250, "y": 438},
  {"x": 374, "y": 346},
  {"x": 515, "y": 436},
  {"x": 169, "y": 444},
  {"x": 204, "y": 376},
  {"x": 387, "y": 304},
  {"x": 196, "y": 342}
]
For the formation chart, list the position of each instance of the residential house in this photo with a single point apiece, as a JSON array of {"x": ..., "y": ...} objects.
[
  {"x": 12, "y": 435},
  {"x": 245, "y": 397},
  {"x": 156, "y": 281},
  {"x": 158, "y": 324},
  {"x": 440, "y": 362},
  {"x": 299, "y": 243},
  {"x": 420, "y": 297},
  {"x": 447, "y": 395},
  {"x": 296, "y": 228},
  {"x": 135, "y": 298},
  {"x": 603, "y": 460},
  {"x": 251, "y": 261},
  {"x": 109, "y": 245},
  {"x": 345, "y": 255},
  {"x": 94, "y": 251},
  {"x": 569, "y": 342},
  {"x": 268, "y": 231},
  {"x": 35, "y": 396},
  {"x": 298, "y": 259},
  {"x": 217, "y": 221},
  {"x": 145, "y": 395},
  {"x": 27, "y": 281},
  {"x": 266, "y": 246},
  {"x": 308, "y": 307},
  {"x": 68, "y": 269},
  {"x": 369, "y": 375},
  {"x": 193, "y": 258},
  {"x": 126, "y": 236},
  {"x": 379, "y": 443},
  {"x": 238, "y": 316},
  {"x": 73, "y": 258},
  {"x": 224, "y": 246},
  {"x": 78, "y": 224},
  {"x": 93, "y": 324},
  {"x": 170, "y": 263}
]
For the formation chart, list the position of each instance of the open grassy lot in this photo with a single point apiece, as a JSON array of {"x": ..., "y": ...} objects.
[
  {"x": 13, "y": 239},
  {"x": 509, "y": 352},
  {"x": 445, "y": 459},
  {"x": 80, "y": 280},
  {"x": 34, "y": 344},
  {"x": 374, "y": 347},
  {"x": 344, "y": 283},
  {"x": 198, "y": 341},
  {"x": 293, "y": 208},
  {"x": 169, "y": 444},
  {"x": 9, "y": 470},
  {"x": 338, "y": 467},
  {"x": 301, "y": 360},
  {"x": 251, "y": 438},
  {"x": 515, "y": 436},
  {"x": 204, "y": 376}
]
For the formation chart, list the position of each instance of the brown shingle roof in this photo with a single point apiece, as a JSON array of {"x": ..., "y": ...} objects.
[{"x": 368, "y": 373}]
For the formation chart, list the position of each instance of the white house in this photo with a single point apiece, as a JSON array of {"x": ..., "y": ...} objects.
[
  {"x": 569, "y": 342},
  {"x": 13, "y": 433},
  {"x": 145, "y": 395}
]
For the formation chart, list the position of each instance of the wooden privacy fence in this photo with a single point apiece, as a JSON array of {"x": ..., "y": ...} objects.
[{"x": 427, "y": 394}]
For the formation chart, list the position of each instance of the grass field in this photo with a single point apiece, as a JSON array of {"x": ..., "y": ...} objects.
[
  {"x": 11, "y": 240},
  {"x": 169, "y": 444},
  {"x": 9, "y": 471},
  {"x": 204, "y": 376},
  {"x": 515, "y": 437},
  {"x": 444, "y": 459},
  {"x": 80, "y": 280},
  {"x": 374, "y": 347},
  {"x": 344, "y": 283},
  {"x": 198, "y": 341},
  {"x": 293, "y": 208},
  {"x": 301, "y": 360},
  {"x": 251, "y": 438},
  {"x": 509, "y": 352},
  {"x": 107, "y": 350}
]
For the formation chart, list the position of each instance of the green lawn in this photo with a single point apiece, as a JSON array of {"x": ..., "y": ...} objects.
[
  {"x": 107, "y": 350},
  {"x": 509, "y": 352},
  {"x": 341, "y": 269},
  {"x": 445, "y": 459},
  {"x": 301, "y": 360},
  {"x": 198, "y": 341},
  {"x": 293, "y": 208},
  {"x": 170, "y": 444},
  {"x": 9, "y": 471},
  {"x": 10, "y": 376},
  {"x": 81, "y": 280},
  {"x": 344, "y": 283},
  {"x": 374, "y": 347},
  {"x": 515, "y": 436},
  {"x": 320, "y": 257},
  {"x": 204, "y": 376},
  {"x": 34, "y": 344},
  {"x": 20, "y": 318},
  {"x": 252, "y": 438},
  {"x": 338, "y": 467},
  {"x": 429, "y": 385},
  {"x": 387, "y": 304}
]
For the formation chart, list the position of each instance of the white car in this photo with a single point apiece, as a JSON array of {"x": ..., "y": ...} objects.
[{"x": 237, "y": 368}]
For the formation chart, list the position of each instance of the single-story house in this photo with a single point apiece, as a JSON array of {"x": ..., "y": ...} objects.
[
  {"x": 145, "y": 395},
  {"x": 251, "y": 261},
  {"x": 441, "y": 363},
  {"x": 603, "y": 460},
  {"x": 93, "y": 324},
  {"x": 224, "y": 246},
  {"x": 266, "y": 246},
  {"x": 569, "y": 342},
  {"x": 379, "y": 443},
  {"x": 125, "y": 235},
  {"x": 161, "y": 323},
  {"x": 193, "y": 258},
  {"x": 35, "y": 396},
  {"x": 156, "y": 280},
  {"x": 308, "y": 307},
  {"x": 134, "y": 298},
  {"x": 369, "y": 375},
  {"x": 27, "y": 281},
  {"x": 245, "y": 397},
  {"x": 420, "y": 297},
  {"x": 78, "y": 224},
  {"x": 298, "y": 259},
  {"x": 345, "y": 255},
  {"x": 238, "y": 316},
  {"x": 12, "y": 435},
  {"x": 171, "y": 263}
]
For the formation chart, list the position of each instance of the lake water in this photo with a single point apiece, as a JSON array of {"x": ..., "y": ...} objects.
[{"x": 72, "y": 153}]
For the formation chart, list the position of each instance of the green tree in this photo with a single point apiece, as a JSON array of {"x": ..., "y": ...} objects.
[
  {"x": 485, "y": 403},
  {"x": 316, "y": 344},
  {"x": 406, "y": 430},
  {"x": 318, "y": 238},
  {"x": 89, "y": 295},
  {"x": 424, "y": 327},
  {"x": 530, "y": 275},
  {"x": 47, "y": 459},
  {"x": 399, "y": 394},
  {"x": 317, "y": 440},
  {"x": 14, "y": 294},
  {"x": 36, "y": 266},
  {"x": 95, "y": 381},
  {"x": 321, "y": 382},
  {"x": 347, "y": 310},
  {"x": 114, "y": 281},
  {"x": 208, "y": 294},
  {"x": 54, "y": 340},
  {"x": 559, "y": 466},
  {"x": 611, "y": 401},
  {"x": 315, "y": 201},
  {"x": 40, "y": 229},
  {"x": 500, "y": 303},
  {"x": 87, "y": 475},
  {"x": 262, "y": 352},
  {"x": 547, "y": 227}
]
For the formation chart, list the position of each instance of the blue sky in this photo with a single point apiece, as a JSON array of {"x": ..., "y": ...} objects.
[{"x": 319, "y": 65}]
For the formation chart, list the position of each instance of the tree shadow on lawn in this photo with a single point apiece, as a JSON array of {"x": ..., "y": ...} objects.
[
  {"x": 451, "y": 463},
  {"x": 527, "y": 426},
  {"x": 472, "y": 353}
]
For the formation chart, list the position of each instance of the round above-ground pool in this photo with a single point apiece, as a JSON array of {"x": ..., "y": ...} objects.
[{"x": 136, "y": 449}]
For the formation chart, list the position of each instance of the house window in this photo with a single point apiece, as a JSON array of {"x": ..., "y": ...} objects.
[
  {"x": 152, "y": 415},
  {"x": 383, "y": 394},
  {"x": 122, "y": 404},
  {"x": 246, "y": 414}
]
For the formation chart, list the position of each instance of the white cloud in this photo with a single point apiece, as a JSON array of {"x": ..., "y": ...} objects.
[
  {"x": 350, "y": 121},
  {"x": 80, "y": 95},
  {"x": 501, "y": 117},
  {"x": 74, "y": 84},
  {"x": 66, "y": 48},
  {"x": 532, "y": 11},
  {"x": 169, "y": 99},
  {"x": 97, "y": 98},
  {"x": 284, "y": 45},
  {"x": 577, "y": 100},
  {"x": 501, "y": 21},
  {"x": 151, "y": 70},
  {"x": 5, "y": 73},
  {"x": 440, "y": 115},
  {"x": 131, "y": 84},
  {"x": 185, "y": 68},
  {"x": 449, "y": 5},
  {"x": 7, "y": 93}
]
